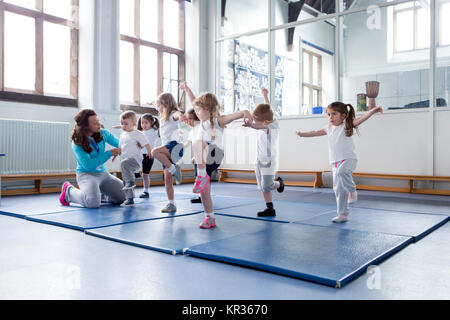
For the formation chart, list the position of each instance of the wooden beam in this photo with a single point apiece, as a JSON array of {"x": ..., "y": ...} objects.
[
  {"x": 137, "y": 74},
  {"x": 39, "y": 41}
]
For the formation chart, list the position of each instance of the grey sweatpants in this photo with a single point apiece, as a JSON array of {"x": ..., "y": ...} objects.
[
  {"x": 128, "y": 167},
  {"x": 92, "y": 185},
  {"x": 343, "y": 183}
]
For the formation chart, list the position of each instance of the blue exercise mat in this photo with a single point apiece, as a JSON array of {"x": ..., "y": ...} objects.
[
  {"x": 416, "y": 225},
  {"x": 385, "y": 203},
  {"x": 173, "y": 235},
  {"x": 219, "y": 202},
  {"x": 329, "y": 256},
  {"x": 22, "y": 206},
  {"x": 286, "y": 211},
  {"x": 85, "y": 218},
  {"x": 403, "y": 204}
]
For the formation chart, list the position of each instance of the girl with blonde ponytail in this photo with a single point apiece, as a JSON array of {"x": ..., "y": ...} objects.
[
  {"x": 207, "y": 145},
  {"x": 341, "y": 125}
]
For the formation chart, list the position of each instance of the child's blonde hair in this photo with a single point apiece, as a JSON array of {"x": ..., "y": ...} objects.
[
  {"x": 263, "y": 111},
  {"x": 208, "y": 101},
  {"x": 128, "y": 115},
  {"x": 170, "y": 105}
]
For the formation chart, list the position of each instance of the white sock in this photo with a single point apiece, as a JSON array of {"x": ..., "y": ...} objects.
[
  {"x": 201, "y": 172},
  {"x": 172, "y": 202},
  {"x": 209, "y": 214},
  {"x": 172, "y": 169},
  {"x": 146, "y": 190}
]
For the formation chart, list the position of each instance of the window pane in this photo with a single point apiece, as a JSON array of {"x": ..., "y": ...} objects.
[
  {"x": 149, "y": 74},
  {"x": 315, "y": 70},
  {"x": 287, "y": 76},
  {"x": 30, "y": 4},
  {"x": 171, "y": 23},
  {"x": 149, "y": 20},
  {"x": 127, "y": 17},
  {"x": 174, "y": 66},
  {"x": 225, "y": 74},
  {"x": 20, "y": 60},
  {"x": 423, "y": 28},
  {"x": 241, "y": 16},
  {"x": 305, "y": 99},
  {"x": 166, "y": 65},
  {"x": 315, "y": 102},
  {"x": 251, "y": 67},
  {"x": 56, "y": 59},
  {"x": 404, "y": 25},
  {"x": 306, "y": 70},
  {"x": 126, "y": 71},
  {"x": 59, "y": 8},
  {"x": 400, "y": 84},
  {"x": 444, "y": 24}
]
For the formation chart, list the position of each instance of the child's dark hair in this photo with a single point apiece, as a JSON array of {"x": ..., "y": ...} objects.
[
  {"x": 191, "y": 112},
  {"x": 153, "y": 120},
  {"x": 349, "y": 112}
]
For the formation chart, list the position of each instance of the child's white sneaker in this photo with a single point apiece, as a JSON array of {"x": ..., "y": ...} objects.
[
  {"x": 340, "y": 218},
  {"x": 352, "y": 197}
]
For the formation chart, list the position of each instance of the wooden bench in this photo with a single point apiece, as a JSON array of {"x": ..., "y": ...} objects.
[
  {"x": 317, "y": 183},
  {"x": 409, "y": 178},
  {"x": 39, "y": 178}
]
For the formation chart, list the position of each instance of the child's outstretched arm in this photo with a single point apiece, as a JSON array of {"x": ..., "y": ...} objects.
[
  {"x": 265, "y": 94},
  {"x": 188, "y": 90},
  {"x": 309, "y": 134},
  {"x": 366, "y": 116},
  {"x": 226, "y": 119}
]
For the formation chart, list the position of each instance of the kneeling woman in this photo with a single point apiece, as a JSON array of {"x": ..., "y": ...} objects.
[{"x": 88, "y": 145}]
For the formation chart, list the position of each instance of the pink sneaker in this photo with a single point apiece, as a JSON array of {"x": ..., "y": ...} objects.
[
  {"x": 208, "y": 223},
  {"x": 62, "y": 197},
  {"x": 200, "y": 184}
]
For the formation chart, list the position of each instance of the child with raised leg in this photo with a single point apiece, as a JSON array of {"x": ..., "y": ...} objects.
[
  {"x": 171, "y": 149},
  {"x": 267, "y": 153}
]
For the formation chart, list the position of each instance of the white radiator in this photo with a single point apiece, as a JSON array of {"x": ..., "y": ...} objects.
[{"x": 35, "y": 147}]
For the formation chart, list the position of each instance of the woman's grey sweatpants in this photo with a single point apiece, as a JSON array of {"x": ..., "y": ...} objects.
[
  {"x": 343, "y": 183},
  {"x": 92, "y": 185}
]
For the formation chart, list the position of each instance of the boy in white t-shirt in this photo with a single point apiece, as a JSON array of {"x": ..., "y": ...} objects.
[
  {"x": 267, "y": 153},
  {"x": 341, "y": 124},
  {"x": 131, "y": 157}
]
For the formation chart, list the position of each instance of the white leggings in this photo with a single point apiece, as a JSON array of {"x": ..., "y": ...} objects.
[
  {"x": 92, "y": 185},
  {"x": 343, "y": 183}
]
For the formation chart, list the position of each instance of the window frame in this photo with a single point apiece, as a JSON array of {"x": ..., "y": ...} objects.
[
  {"x": 136, "y": 104},
  {"x": 311, "y": 87},
  {"x": 37, "y": 95}
]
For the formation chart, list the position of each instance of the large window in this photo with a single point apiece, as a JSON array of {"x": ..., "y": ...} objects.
[
  {"x": 39, "y": 51},
  {"x": 412, "y": 25},
  {"x": 312, "y": 79},
  {"x": 151, "y": 50}
]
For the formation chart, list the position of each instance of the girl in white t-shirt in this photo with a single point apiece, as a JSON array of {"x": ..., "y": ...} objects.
[
  {"x": 207, "y": 145},
  {"x": 171, "y": 149},
  {"x": 340, "y": 128},
  {"x": 149, "y": 125}
]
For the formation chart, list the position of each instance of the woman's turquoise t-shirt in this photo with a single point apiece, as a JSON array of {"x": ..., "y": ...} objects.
[{"x": 95, "y": 161}]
